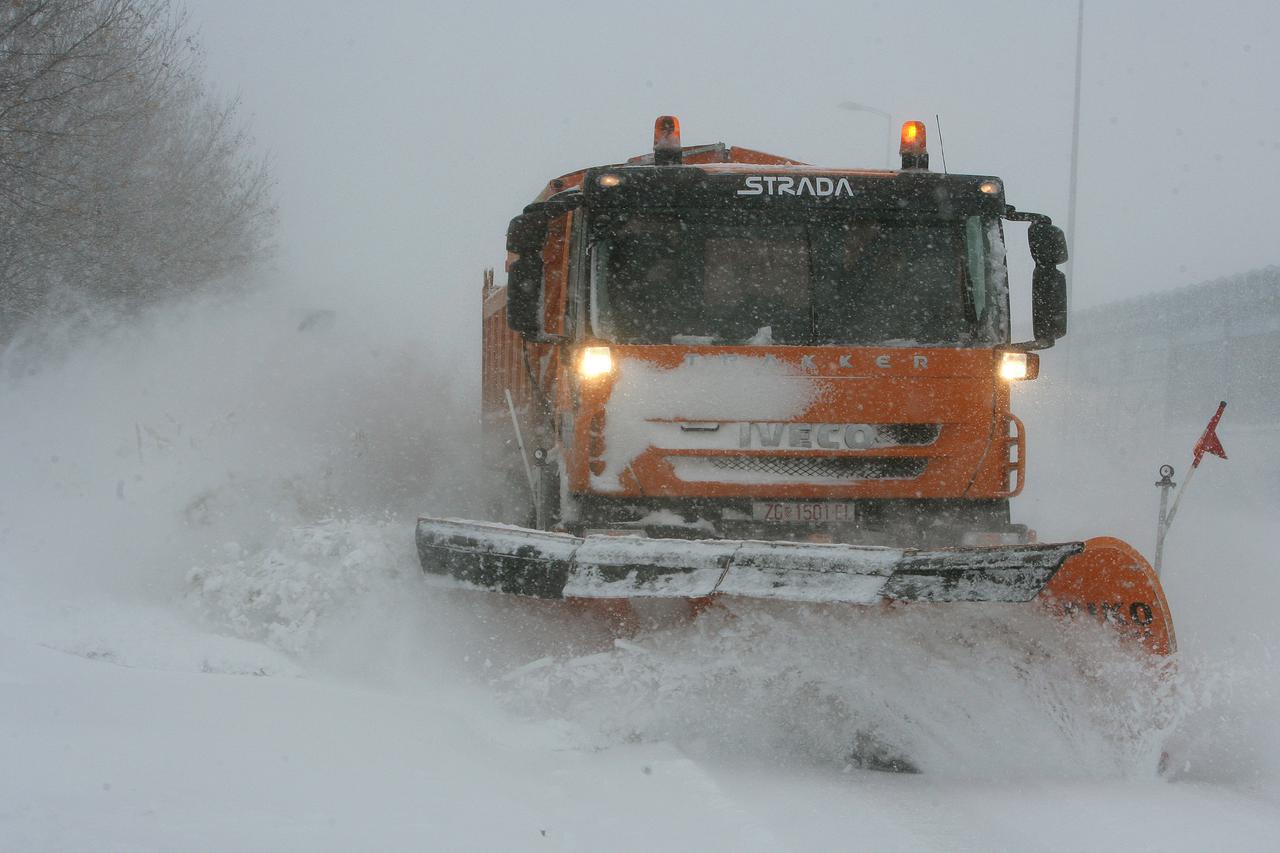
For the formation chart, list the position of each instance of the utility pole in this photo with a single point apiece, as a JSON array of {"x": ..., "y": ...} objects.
[
  {"x": 1075, "y": 158},
  {"x": 1071, "y": 223}
]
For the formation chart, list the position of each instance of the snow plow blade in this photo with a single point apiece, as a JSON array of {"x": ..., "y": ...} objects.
[{"x": 556, "y": 565}]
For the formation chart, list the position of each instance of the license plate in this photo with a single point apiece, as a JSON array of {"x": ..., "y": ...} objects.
[{"x": 803, "y": 512}]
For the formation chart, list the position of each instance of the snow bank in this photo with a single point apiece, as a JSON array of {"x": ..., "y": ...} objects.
[
  {"x": 147, "y": 446},
  {"x": 253, "y": 463},
  {"x": 284, "y": 593}
]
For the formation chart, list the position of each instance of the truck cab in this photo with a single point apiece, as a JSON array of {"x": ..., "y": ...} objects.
[{"x": 718, "y": 342}]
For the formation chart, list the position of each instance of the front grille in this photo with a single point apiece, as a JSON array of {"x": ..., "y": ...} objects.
[
  {"x": 796, "y": 468},
  {"x": 908, "y": 434}
]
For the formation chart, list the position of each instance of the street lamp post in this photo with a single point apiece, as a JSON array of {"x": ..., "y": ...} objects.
[
  {"x": 888, "y": 119},
  {"x": 1075, "y": 157}
]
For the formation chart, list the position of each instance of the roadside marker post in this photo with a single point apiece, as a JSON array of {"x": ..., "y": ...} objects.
[{"x": 1208, "y": 443}]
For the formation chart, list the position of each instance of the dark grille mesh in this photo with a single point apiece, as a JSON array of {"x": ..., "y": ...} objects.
[
  {"x": 826, "y": 468},
  {"x": 912, "y": 434}
]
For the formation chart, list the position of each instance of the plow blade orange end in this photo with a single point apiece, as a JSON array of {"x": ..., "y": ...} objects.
[{"x": 1112, "y": 583}]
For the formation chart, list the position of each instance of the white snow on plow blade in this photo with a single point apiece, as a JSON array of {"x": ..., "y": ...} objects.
[
  {"x": 625, "y": 566},
  {"x": 555, "y": 565},
  {"x": 507, "y": 539},
  {"x": 810, "y": 572},
  {"x": 684, "y": 568}
]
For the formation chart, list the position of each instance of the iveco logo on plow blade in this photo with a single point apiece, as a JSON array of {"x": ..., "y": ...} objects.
[{"x": 825, "y": 436}]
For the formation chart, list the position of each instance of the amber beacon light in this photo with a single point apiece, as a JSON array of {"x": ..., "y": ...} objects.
[
  {"x": 912, "y": 149},
  {"x": 666, "y": 141}
]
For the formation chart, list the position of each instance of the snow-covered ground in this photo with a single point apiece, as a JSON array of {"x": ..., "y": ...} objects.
[{"x": 214, "y": 635}]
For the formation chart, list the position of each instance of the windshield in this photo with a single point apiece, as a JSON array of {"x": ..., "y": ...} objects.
[{"x": 681, "y": 279}]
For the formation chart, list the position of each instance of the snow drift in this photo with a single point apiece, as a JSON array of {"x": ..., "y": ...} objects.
[{"x": 229, "y": 487}]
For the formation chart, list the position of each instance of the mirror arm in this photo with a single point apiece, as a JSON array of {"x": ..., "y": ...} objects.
[
  {"x": 560, "y": 203},
  {"x": 1026, "y": 346},
  {"x": 1014, "y": 215},
  {"x": 540, "y": 213}
]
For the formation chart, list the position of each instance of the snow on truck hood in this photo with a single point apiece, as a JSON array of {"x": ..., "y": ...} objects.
[{"x": 721, "y": 388}]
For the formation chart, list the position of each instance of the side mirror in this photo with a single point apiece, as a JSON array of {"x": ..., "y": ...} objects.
[
  {"x": 1048, "y": 301},
  {"x": 524, "y": 289},
  {"x": 1048, "y": 244},
  {"x": 525, "y": 237}
]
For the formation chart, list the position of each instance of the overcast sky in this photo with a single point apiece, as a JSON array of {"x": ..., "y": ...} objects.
[{"x": 406, "y": 134}]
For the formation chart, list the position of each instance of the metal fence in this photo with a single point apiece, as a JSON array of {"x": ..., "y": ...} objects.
[{"x": 1169, "y": 357}]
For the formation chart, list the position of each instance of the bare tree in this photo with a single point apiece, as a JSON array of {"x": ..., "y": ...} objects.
[{"x": 121, "y": 177}]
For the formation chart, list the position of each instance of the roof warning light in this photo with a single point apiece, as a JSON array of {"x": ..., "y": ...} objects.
[
  {"x": 666, "y": 142},
  {"x": 913, "y": 151}
]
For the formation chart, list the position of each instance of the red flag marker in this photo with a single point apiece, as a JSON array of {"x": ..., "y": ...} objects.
[{"x": 1208, "y": 442}]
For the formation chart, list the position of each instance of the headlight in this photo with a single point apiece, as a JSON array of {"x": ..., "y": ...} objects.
[
  {"x": 1018, "y": 365},
  {"x": 594, "y": 362}
]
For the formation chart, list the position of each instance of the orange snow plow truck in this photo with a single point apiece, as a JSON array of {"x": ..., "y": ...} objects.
[{"x": 714, "y": 372}]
